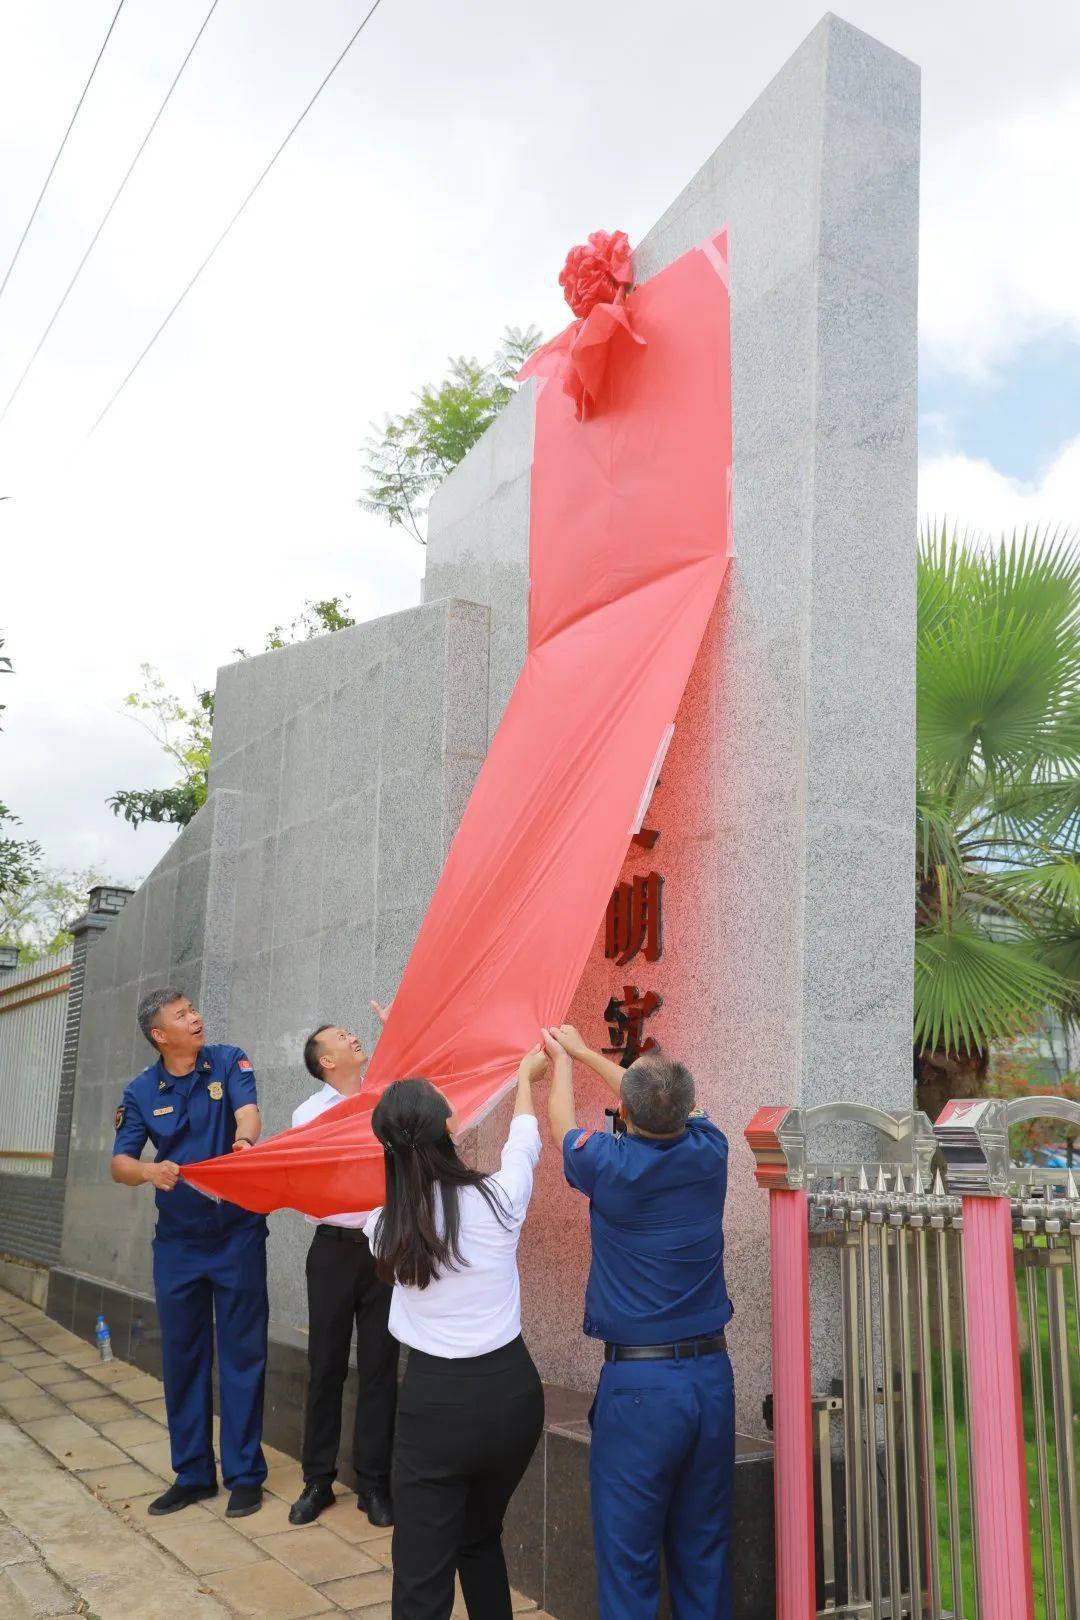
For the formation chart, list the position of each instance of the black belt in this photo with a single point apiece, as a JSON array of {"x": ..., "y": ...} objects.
[
  {"x": 688, "y": 1349},
  {"x": 344, "y": 1234}
]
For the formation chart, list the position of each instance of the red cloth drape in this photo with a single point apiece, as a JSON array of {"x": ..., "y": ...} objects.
[{"x": 630, "y": 534}]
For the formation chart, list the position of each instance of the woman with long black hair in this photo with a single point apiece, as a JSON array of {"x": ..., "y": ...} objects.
[{"x": 471, "y": 1409}]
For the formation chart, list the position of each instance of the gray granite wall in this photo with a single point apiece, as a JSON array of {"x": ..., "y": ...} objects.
[
  {"x": 786, "y": 805},
  {"x": 340, "y": 770},
  {"x": 342, "y": 765}
]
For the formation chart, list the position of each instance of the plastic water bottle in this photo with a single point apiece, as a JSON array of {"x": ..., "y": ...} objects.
[{"x": 103, "y": 1339}]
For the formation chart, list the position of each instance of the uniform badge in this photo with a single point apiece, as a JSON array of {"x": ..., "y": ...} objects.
[
  {"x": 582, "y": 1139},
  {"x": 214, "y": 1090},
  {"x": 159, "y": 1111},
  {"x": 162, "y": 1085},
  {"x": 244, "y": 1063},
  {"x": 206, "y": 1067},
  {"x": 119, "y": 1118}
]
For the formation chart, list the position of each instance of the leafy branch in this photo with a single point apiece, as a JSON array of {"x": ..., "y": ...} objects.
[{"x": 410, "y": 455}]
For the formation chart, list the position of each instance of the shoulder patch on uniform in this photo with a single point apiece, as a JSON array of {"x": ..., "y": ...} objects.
[
  {"x": 244, "y": 1063},
  {"x": 119, "y": 1118},
  {"x": 583, "y": 1138},
  {"x": 697, "y": 1113}
]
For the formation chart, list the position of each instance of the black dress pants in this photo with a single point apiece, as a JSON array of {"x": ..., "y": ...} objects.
[
  {"x": 466, "y": 1430},
  {"x": 343, "y": 1289}
]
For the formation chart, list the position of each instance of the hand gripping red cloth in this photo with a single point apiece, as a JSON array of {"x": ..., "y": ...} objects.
[{"x": 630, "y": 534}]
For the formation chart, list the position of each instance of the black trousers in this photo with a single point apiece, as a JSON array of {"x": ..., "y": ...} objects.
[
  {"x": 343, "y": 1289},
  {"x": 466, "y": 1430}
]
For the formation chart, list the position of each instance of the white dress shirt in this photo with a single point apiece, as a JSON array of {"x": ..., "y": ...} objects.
[
  {"x": 477, "y": 1307},
  {"x": 310, "y": 1109}
]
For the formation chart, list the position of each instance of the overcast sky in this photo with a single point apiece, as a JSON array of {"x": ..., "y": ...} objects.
[{"x": 427, "y": 202}]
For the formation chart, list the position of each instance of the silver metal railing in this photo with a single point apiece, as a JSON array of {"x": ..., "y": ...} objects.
[{"x": 895, "y": 1513}]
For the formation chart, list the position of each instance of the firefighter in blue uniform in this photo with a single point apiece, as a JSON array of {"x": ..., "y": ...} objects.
[
  {"x": 193, "y": 1103},
  {"x": 663, "y": 1422}
]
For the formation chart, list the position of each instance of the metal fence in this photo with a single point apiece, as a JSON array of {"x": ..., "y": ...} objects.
[
  {"x": 936, "y": 1477},
  {"x": 33, "y": 1014}
]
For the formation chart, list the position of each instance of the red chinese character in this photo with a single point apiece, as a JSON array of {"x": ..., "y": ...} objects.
[
  {"x": 625, "y": 1020},
  {"x": 635, "y": 920}
]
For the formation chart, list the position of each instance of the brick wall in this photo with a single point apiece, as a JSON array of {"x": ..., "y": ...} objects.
[{"x": 31, "y": 1217}]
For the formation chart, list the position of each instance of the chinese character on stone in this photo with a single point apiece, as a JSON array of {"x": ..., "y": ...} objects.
[
  {"x": 635, "y": 920},
  {"x": 625, "y": 1020}
]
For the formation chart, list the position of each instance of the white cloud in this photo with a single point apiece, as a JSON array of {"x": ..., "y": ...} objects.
[
  {"x": 976, "y": 496},
  {"x": 1001, "y": 237}
]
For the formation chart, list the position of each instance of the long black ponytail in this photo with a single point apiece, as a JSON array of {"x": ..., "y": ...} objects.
[{"x": 412, "y": 1243}]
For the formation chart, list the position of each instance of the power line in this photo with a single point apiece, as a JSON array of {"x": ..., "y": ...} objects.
[
  {"x": 60, "y": 150},
  {"x": 108, "y": 212},
  {"x": 127, "y": 378}
]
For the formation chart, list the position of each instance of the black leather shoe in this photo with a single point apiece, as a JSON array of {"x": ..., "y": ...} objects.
[
  {"x": 377, "y": 1505},
  {"x": 310, "y": 1503},
  {"x": 244, "y": 1499},
  {"x": 180, "y": 1496}
]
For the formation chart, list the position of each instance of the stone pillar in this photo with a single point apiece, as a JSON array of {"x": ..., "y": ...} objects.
[
  {"x": 786, "y": 804},
  {"x": 105, "y": 902}
]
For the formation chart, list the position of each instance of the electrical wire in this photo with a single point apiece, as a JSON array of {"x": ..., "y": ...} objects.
[
  {"x": 107, "y": 214},
  {"x": 60, "y": 151},
  {"x": 326, "y": 80}
]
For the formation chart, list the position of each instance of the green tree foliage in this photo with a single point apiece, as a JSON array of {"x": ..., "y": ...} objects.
[
  {"x": 5, "y": 669},
  {"x": 314, "y": 619},
  {"x": 997, "y": 903},
  {"x": 410, "y": 455},
  {"x": 184, "y": 730},
  {"x": 20, "y": 858},
  {"x": 34, "y": 913}
]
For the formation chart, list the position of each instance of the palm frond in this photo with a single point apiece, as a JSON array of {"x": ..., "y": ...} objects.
[
  {"x": 998, "y": 658},
  {"x": 1054, "y": 883},
  {"x": 971, "y": 990}
]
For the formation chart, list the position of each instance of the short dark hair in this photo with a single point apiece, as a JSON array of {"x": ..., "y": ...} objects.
[
  {"x": 658, "y": 1093},
  {"x": 151, "y": 1005},
  {"x": 311, "y": 1053}
]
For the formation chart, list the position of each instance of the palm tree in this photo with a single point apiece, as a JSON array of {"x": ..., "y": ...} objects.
[{"x": 997, "y": 897}]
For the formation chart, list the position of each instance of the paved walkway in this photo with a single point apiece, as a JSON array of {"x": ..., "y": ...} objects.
[{"x": 83, "y": 1449}]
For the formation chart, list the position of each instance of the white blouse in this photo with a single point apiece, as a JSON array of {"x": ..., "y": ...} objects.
[{"x": 476, "y": 1307}]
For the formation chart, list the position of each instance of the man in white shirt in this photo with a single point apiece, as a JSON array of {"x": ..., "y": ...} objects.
[{"x": 343, "y": 1289}]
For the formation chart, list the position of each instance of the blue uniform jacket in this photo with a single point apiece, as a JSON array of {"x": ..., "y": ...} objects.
[
  {"x": 187, "y": 1118},
  {"x": 656, "y": 1213}
]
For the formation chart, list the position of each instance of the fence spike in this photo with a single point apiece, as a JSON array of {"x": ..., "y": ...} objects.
[
  {"x": 864, "y": 1185},
  {"x": 882, "y": 1184},
  {"x": 939, "y": 1185},
  {"x": 900, "y": 1188}
]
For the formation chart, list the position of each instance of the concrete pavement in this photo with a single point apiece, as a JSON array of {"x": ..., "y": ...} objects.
[{"x": 83, "y": 1450}]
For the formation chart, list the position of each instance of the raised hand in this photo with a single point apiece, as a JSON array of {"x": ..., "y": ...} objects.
[
  {"x": 534, "y": 1063},
  {"x": 569, "y": 1039}
]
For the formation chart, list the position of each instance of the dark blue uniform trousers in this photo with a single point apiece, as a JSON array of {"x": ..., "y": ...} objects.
[
  {"x": 195, "y": 1282},
  {"x": 660, "y": 1472}
]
